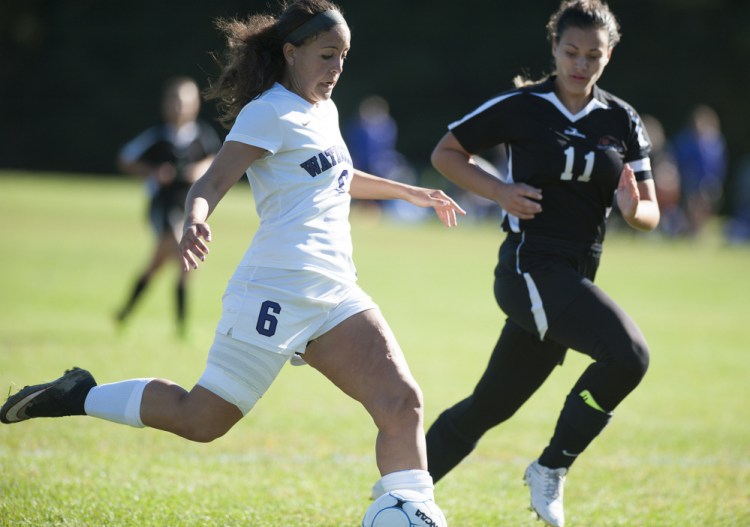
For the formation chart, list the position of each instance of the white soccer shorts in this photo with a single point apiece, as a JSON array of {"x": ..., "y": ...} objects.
[{"x": 269, "y": 315}]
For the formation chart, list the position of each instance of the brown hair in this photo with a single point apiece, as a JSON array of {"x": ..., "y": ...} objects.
[
  {"x": 253, "y": 60},
  {"x": 583, "y": 14}
]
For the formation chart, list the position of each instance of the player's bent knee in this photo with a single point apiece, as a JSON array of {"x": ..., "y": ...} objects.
[
  {"x": 640, "y": 356},
  {"x": 206, "y": 436},
  {"x": 204, "y": 419},
  {"x": 635, "y": 361},
  {"x": 399, "y": 408}
]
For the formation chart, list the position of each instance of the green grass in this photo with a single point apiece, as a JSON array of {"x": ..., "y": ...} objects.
[{"x": 676, "y": 453}]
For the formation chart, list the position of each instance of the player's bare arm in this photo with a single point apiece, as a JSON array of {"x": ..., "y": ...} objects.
[
  {"x": 368, "y": 186},
  {"x": 455, "y": 163},
  {"x": 229, "y": 165},
  {"x": 194, "y": 171}
]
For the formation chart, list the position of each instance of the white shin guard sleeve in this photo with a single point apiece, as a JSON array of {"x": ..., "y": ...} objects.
[
  {"x": 119, "y": 402},
  {"x": 419, "y": 480}
]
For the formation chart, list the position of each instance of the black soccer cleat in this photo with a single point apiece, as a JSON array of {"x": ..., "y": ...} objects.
[{"x": 61, "y": 397}]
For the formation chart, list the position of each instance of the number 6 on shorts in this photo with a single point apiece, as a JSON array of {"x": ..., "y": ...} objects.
[{"x": 266, "y": 324}]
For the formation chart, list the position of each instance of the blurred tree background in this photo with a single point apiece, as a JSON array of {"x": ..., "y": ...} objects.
[{"x": 80, "y": 77}]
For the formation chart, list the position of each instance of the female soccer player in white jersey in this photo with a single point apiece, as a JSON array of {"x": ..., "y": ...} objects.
[
  {"x": 570, "y": 146},
  {"x": 294, "y": 293}
]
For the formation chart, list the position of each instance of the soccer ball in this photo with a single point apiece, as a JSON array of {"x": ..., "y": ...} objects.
[{"x": 404, "y": 508}]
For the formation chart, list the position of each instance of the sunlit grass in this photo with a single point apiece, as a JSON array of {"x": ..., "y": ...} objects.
[{"x": 676, "y": 453}]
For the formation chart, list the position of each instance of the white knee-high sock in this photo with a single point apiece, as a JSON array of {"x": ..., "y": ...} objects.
[
  {"x": 419, "y": 480},
  {"x": 119, "y": 402}
]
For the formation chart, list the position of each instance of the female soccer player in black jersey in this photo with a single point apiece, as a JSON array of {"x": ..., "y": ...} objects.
[
  {"x": 170, "y": 156},
  {"x": 571, "y": 148}
]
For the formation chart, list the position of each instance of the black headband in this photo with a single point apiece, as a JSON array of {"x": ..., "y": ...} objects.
[{"x": 320, "y": 22}]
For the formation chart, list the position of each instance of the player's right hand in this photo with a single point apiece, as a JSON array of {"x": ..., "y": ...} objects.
[
  {"x": 520, "y": 200},
  {"x": 193, "y": 244}
]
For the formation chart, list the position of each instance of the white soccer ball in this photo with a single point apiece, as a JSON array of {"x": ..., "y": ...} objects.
[{"x": 404, "y": 508}]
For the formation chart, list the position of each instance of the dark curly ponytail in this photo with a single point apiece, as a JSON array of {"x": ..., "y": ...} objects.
[{"x": 254, "y": 60}]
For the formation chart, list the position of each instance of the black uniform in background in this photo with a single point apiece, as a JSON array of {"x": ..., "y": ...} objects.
[
  {"x": 162, "y": 144},
  {"x": 156, "y": 146}
]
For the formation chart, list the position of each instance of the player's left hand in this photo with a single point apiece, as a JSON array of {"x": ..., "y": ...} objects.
[
  {"x": 627, "y": 195},
  {"x": 193, "y": 244},
  {"x": 445, "y": 208}
]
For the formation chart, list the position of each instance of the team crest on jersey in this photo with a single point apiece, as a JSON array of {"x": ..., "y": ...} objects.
[
  {"x": 608, "y": 142},
  {"x": 573, "y": 132},
  {"x": 566, "y": 136}
]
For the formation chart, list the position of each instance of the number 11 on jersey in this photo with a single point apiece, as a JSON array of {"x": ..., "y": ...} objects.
[{"x": 570, "y": 155}]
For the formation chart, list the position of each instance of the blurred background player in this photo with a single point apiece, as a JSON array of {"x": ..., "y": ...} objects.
[
  {"x": 700, "y": 152},
  {"x": 666, "y": 179},
  {"x": 371, "y": 137},
  {"x": 737, "y": 229},
  {"x": 170, "y": 157}
]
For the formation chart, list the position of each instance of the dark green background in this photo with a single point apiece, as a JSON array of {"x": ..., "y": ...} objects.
[{"x": 80, "y": 77}]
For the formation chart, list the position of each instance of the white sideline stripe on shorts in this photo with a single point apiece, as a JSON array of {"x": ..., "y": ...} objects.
[{"x": 537, "y": 308}]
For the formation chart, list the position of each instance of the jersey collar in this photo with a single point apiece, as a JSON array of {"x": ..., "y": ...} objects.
[{"x": 547, "y": 92}]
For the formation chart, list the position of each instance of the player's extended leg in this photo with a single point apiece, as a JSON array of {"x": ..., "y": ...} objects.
[
  {"x": 198, "y": 415},
  {"x": 237, "y": 375},
  {"x": 362, "y": 357},
  {"x": 519, "y": 365}
]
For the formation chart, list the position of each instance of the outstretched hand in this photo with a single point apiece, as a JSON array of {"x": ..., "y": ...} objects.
[
  {"x": 445, "y": 208},
  {"x": 627, "y": 194},
  {"x": 194, "y": 244}
]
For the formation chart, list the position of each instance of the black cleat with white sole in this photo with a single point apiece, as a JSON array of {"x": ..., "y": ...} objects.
[{"x": 61, "y": 397}]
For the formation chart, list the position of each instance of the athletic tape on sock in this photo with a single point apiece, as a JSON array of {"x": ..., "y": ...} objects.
[{"x": 119, "y": 402}]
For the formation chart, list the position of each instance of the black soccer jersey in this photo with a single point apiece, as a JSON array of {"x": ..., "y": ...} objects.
[
  {"x": 575, "y": 160},
  {"x": 163, "y": 144}
]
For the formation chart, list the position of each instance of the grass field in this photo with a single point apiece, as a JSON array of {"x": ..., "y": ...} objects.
[{"x": 676, "y": 453}]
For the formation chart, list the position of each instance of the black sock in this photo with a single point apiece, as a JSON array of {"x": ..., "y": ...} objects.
[
  {"x": 181, "y": 304},
  {"x": 138, "y": 289},
  {"x": 576, "y": 427}
]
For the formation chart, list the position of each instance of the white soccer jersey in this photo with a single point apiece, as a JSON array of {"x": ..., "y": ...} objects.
[{"x": 301, "y": 188}]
